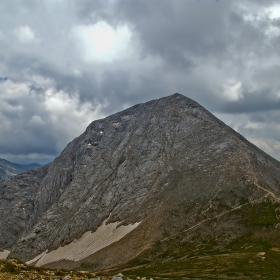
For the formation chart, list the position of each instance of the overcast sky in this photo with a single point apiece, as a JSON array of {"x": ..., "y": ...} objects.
[{"x": 65, "y": 63}]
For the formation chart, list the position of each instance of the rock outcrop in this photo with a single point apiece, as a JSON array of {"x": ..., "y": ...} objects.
[{"x": 167, "y": 172}]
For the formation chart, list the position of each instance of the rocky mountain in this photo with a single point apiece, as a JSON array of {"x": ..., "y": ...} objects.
[
  {"x": 163, "y": 187},
  {"x": 9, "y": 169}
]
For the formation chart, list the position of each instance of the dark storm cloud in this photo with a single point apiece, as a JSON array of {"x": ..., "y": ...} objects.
[
  {"x": 257, "y": 101},
  {"x": 187, "y": 33},
  {"x": 223, "y": 54},
  {"x": 178, "y": 26},
  {"x": 175, "y": 30}
]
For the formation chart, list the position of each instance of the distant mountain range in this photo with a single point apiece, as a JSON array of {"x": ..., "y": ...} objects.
[{"x": 10, "y": 169}]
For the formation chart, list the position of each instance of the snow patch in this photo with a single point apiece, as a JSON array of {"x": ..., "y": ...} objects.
[
  {"x": 4, "y": 254},
  {"x": 88, "y": 244}
]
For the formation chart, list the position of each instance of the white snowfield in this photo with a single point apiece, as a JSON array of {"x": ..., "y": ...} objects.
[
  {"x": 4, "y": 254},
  {"x": 88, "y": 244}
]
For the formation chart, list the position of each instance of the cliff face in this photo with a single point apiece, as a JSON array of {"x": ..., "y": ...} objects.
[
  {"x": 17, "y": 203},
  {"x": 165, "y": 172}
]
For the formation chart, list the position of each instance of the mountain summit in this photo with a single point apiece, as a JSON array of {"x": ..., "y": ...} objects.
[{"x": 158, "y": 183}]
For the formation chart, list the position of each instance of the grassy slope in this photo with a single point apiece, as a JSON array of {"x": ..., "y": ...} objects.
[
  {"x": 14, "y": 269},
  {"x": 206, "y": 258}
]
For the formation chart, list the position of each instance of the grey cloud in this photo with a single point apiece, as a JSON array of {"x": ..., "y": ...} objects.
[
  {"x": 271, "y": 117},
  {"x": 259, "y": 101},
  {"x": 191, "y": 47},
  {"x": 177, "y": 29}
]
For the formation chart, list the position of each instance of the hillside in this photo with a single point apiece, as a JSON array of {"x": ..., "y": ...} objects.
[{"x": 163, "y": 188}]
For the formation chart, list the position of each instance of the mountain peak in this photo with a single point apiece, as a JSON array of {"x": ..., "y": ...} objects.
[
  {"x": 162, "y": 176},
  {"x": 176, "y": 94},
  {"x": 182, "y": 100}
]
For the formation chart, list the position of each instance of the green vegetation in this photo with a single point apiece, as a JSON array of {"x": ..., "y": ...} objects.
[
  {"x": 262, "y": 214},
  {"x": 15, "y": 269},
  {"x": 253, "y": 255}
]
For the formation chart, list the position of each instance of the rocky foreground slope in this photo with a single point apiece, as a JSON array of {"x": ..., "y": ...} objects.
[
  {"x": 14, "y": 270},
  {"x": 156, "y": 187}
]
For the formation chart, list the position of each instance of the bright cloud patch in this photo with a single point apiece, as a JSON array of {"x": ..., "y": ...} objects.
[
  {"x": 40, "y": 123},
  {"x": 36, "y": 121},
  {"x": 261, "y": 144},
  {"x": 24, "y": 34},
  {"x": 273, "y": 11},
  {"x": 101, "y": 42},
  {"x": 233, "y": 90},
  {"x": 256, "y": 15},
  {"x": 78, "y": 73},
  {"x": 63, "y": 110},
  {"x": 253, "y": 125}
]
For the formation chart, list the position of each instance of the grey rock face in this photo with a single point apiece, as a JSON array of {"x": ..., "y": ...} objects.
[
  {"x": 17, "y": 202},
  {"x": 168, "y": 163}
]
